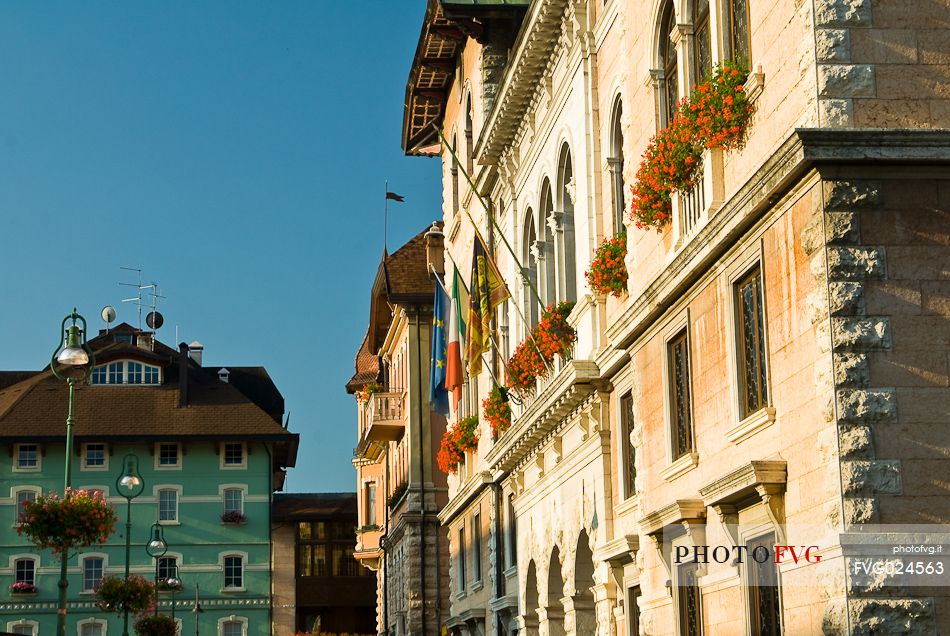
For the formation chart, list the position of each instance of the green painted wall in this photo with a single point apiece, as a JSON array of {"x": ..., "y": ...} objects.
[{"x": 199, "y": 539}]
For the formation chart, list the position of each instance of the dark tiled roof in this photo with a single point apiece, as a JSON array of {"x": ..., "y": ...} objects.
[
  {"x": 407, "y": 276},
  {"x": 314, "y": 505},
  {"x": 366, "y": 365}
]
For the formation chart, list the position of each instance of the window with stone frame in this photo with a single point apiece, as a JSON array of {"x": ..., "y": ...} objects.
[
  {"x": 765, "y": 605},
  {"x": 669, "y": 74},
  {"x": 632, "y": 610},
  {"x": 28, "y": 457},
  {"x": 477, "y": 548},
  {"x": 169, "y": 455},
  {"x": 629, "y": 452},
  {"x": 24, "y": 571},
  {"x": 689, "y": 600},
  {"x": 751, "y": 356},
  {"x": 233, "y": 500},
  {"x": 512, "y": 532},
  {"x": 94, "y": 456},
  {"x": 166, "y": 568},
  {"x": 168, "y": 505},
  {"x": 681, "y": 418},
  {"x": 701, "y": 41},
  {"x": 92, "y": 570},
  {"x": 233, "y": 571},
  {"x": 738, "y": 38},
  {"x": 23, "y": 497},
  {"x": 461, "y": 559},
  {"x": 615, "y": 161}
]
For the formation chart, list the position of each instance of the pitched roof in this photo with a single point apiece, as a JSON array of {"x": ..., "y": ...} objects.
[{"x": 366, "y": 365}]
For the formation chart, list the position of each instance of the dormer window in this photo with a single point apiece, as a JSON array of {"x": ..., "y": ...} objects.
[{"x": 126, "y": 372}]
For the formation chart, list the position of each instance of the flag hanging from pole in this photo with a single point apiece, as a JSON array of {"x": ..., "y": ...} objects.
[
  {"x": 392, "y": 196},
  {"x": 456, "y": 335},
  {"x": 487, "y": 291},
  {"x": 438, "y": 395}
]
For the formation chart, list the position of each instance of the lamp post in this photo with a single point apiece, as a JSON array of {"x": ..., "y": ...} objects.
[
  {"x": 75, "y": 361},
  {"x": 196, "y": 610},
  {"x": 156, "y": 549},
  {"x": 174, "y": 584},
  {"x": 130, "y": 485}
]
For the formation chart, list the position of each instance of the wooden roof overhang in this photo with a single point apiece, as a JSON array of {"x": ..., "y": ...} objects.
[{"x": 445, "y": 27}]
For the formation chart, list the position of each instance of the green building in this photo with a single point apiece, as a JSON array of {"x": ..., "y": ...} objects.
[{"x": 211, "y": 450}]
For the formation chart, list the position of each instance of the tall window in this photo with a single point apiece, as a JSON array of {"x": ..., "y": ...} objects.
[
  {"x": 567, "y": 193},
  {"x": 531, "y": 258},
  {"x": 469, "y": 137},
  {"x": 371, "y": 503},
  {"x": 24, "y": 571},
  {"x": 461, "y": 558},
  {"x": 168, "y": 505},
  {"x": 681, "y": 412},
  {"x": 233, "y": 572},
  {"x": 91, "y": 573},
  {"x": 28, "y": 457},
  {"x": 633, "y": 610},
  {"x": 669, "y": 91},
  {"x": 764, "y": 593},
  {"x": 616, "y": 167},
  {"x": 628, "y": 455},
  {"x": 753, "y": 374},
  {"x": 233, "y": 500},
  {"x": 168, "y": 456},
  {"x": 23, "y": 497},
  {"x": 512, "y": 532},
  {"x": 702, "y": 48},
  {"x": 739, "y": 40},
  {"x": 547, "y": 272},
  {"x": 454, "y": 170},
  {"x": 477, "y": 547},
  {"x": 690, "y": 601}
]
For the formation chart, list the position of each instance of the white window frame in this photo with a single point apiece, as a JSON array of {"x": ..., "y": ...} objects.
[
  {"x": 169, "y": 555},
  {"x": 82, "y": 569},
  {"x": 15, "y": 494},
  {"x": 222, "y": 559},
  {"x": 158, "y": 502},
  {"x": 104, "y": 624},
  {"x": 28, "y": 469},
  {"x": 233, "y": 487},
  {"x": 24, "y": 623},
  {"x": 158, "y": 456},
  {"x": 232, "y": 619},
  {"x": 16, "y": 558},
  {"x": 242, "y": 465},
  {"x": 85, "y": 457},
  {"x": 124, "y": 373}
]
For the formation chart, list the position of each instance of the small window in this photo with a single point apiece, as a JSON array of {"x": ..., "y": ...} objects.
[
  {"x": 91, "y": 573},
  {"x": 461, "y": 560},
  {"x": 764, "y": 593},
  {"x": 681, "y": 412},
  {"x": 28, "y": 629},
  {"x": 168, "y": 505},
  {"x": 92, "y": 629},
  {"x": 151, "y": 375},
  {"x": 25, "y": 571},
  {"x": 23, "y": 497},
  {"x": 477, "y": 547},
  {"x": 115, "y": 373},
  {"x": 135, "y": 373},
  {"x": 232, "y": 628},
  {"x": 233, "y": 572},
  {"x": 233, "y": 454},
  {"x": 690, "y": 600},
  {"x": 99, "y": 375},
  {"x": 371, "y": 503},
  {"x": 233, "y": 500},
  {"x": 168, "y": 456},
  {"x": 629, "y": 454},
  {"x": 739, "y": 42},
  {"x": 167, "y": 567},
  {"x": 753, "y": 375},
  {"x": 28, "y": 457},
  {"x": 94, "y": 456}
]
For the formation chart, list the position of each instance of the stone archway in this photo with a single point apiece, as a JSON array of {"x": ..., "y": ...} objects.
[
  {"x": 529, "y": 611},
  {"x": 551, "y": 612},
  {"x": 579, "y": 614}
]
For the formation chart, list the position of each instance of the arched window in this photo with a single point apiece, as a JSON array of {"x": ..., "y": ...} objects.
[
  {"x": 566, "y": 250},
  {"x": 546, "y": 254},
  {"x": 616, "y": 166},
  {"x": 738, "y": 37},
  {"x": 702, "y": 43},
  {"x": 529, "y": 258},
  {"x": 454, "y": 170},
  {"x": 469, "y": 144},
  {"x": 669, "y": 91}
]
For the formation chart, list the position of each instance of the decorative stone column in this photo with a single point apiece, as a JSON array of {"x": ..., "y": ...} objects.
[
  {"x": 579, "y": 615},
  {"x": 551, "y": 621}
]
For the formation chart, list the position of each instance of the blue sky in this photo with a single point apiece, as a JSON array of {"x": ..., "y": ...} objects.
[{"x": 237, "y": 153}]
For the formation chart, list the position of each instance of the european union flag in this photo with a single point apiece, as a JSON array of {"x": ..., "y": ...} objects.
[{"x": 438, "y": 394}]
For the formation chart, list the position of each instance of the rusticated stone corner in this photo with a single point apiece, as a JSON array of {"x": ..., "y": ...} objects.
[
  {"x": 863, "y": 477},
  {"x": 846, "y": 298},
  {"x": 909, "y": 616},
  {"x": 855, "y": 263},
  {"x": 860, "y": 510},
  {"x": 842, "y": 13},
  {"x": 845, "y": 195},
  {"x": 856, "y": 442},
  {"x": 866, "y": 406},
  {"x": 842, "y": 227},
  {"x": 851, "y": 370},
  {"x": 872, "y": 333}
]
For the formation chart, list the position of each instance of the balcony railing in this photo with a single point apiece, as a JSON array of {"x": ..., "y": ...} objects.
[
  {"x": 694, "y": 208},
  {"x": 384, "y": 417}
]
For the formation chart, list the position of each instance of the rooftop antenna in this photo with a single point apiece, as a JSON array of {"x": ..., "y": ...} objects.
[{"x": 154, "y": 319}]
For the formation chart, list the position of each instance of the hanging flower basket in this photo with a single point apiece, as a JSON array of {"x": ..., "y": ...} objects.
[
  {"x": 455, "y": 442},
  {"x": 363, "y": 395},
  {"x": 79, "y": 519},
  {"x": 22, "y": 587},
  {"x": 165, "y": 586},
  {"x": 117, "y": 595},
  {"x": 235, "y": 517},
  {"x": 553, "y": 336},
  {"x": 497, "y": 410},
  {"x": 715, "y": 115},
  {"x": 608, "y": 272},
  {"x": 157, "y": 625}
]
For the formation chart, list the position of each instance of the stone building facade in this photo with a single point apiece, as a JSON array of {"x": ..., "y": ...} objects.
[{"x": 776, "y": 372}]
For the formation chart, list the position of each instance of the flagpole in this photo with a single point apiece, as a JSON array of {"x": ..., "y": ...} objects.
[
  {"x": 385, "y": 210},
  {"x": 491, "y": 217}
]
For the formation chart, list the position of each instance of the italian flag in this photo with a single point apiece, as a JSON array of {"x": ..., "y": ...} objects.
[{"x": 456, "y": 335}]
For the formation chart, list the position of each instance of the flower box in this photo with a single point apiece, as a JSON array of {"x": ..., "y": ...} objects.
[
  {"x": 163, "y": 585},
  {"x": 456, "y": 442},
  {"x": 553, "y": 336},
  {"x": 233, "y": 517},
  {"x": 608, "y": 271},
  {"x": 21, "y": 588},
  {"x": 497, "y": 410}
]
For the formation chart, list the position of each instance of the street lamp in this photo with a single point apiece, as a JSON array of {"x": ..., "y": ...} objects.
[
  {"x": 174, "y": 584},
  {"x": 75, "y": 361},
  {"x": 196, "y": 610},
  {"x": 130, "y": 485},
  {"x": 156, "y": 548}
]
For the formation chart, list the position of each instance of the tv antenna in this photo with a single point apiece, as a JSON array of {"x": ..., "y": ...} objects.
[{"x": 147, "y": 296}]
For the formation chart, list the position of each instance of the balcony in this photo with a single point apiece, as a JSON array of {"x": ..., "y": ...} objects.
[
  {"x": 693, "y": 209},
  {"x": 384, "y": 417}
]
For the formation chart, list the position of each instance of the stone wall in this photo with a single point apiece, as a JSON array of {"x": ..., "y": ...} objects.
[{"x": 284, "y": 582}]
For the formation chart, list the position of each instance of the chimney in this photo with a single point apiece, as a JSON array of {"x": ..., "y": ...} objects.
[
  {"x": 435, "y": 250},
  {"x": 145, "y": 341},
  {"x": 183, "y": 375},
  {"x": 224, "y": 375},
  {"x": 195, "y": 349}
]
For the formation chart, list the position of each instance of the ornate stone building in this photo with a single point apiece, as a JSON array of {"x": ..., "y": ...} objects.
[{"x": 776, "y": 371}]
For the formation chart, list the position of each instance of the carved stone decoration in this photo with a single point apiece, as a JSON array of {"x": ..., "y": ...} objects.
[{"x": 571, "y": 188}]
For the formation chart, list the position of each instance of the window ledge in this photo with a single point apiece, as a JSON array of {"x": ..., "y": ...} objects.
[
  {"x": 754, "y": 85},
  {"x": 169, "y": 523},
  {"x": 751, "y": 425},
  {"x": 477, "y": 585},
  {"x": 233, "y": 590},
  {"x": 681, "y": 466},
  {"x": 630, "y": 503},
  {"x": 511, "y": 571}
]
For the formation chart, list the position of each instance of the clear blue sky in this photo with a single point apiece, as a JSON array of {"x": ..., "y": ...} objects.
[{"x": 236, "y": 152}]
